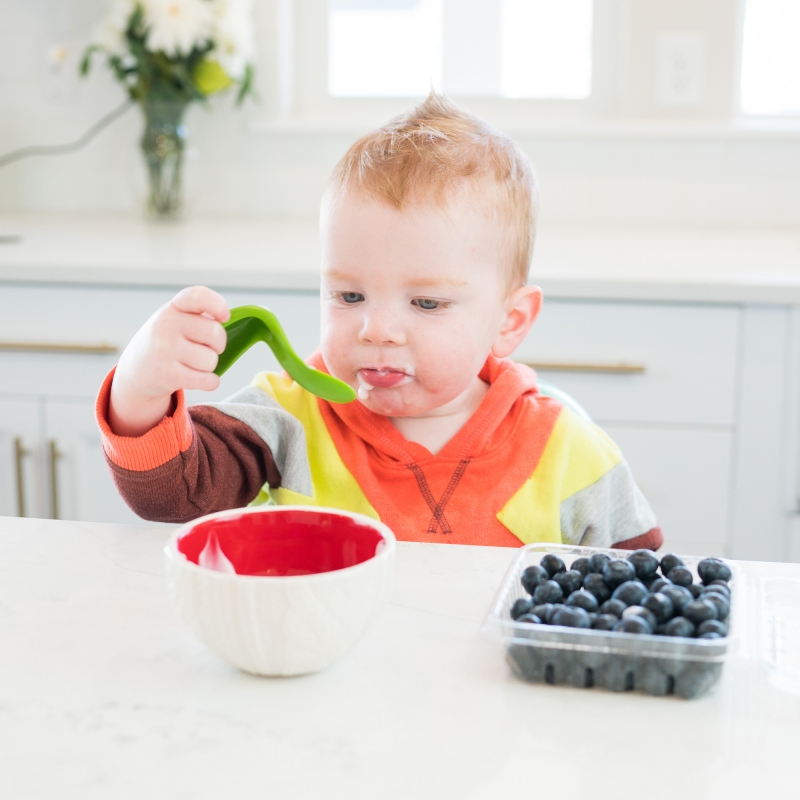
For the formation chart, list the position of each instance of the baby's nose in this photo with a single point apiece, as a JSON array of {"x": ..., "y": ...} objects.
[{"x": 381, "y": 328}]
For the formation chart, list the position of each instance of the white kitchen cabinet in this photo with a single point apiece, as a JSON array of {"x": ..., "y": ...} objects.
[
  {"x": 685, "y": 476},
  {"x": 21, "y": 489},
  {"x": 699, "y": 397},
  {"x": 78, "y": 480}
]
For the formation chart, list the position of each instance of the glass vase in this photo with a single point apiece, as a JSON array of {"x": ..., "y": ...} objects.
[{"x": 163, "y": 143}]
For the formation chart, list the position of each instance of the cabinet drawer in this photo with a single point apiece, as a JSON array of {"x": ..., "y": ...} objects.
[
  {"x": 686, "y": 353},
  {"x": 95, "y": 315}
]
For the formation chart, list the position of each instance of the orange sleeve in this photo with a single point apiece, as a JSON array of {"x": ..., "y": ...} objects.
[{"x": 172, "y": 436}]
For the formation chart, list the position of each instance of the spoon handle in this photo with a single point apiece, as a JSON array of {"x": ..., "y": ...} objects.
[{"x": 251, "y": 324}]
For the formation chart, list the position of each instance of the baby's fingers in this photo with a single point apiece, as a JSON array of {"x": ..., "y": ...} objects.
[
  {"x": 197, "y": 357},
  {"x": 197, "y": 379},
  {"x": 202, "y": 300},
  {"x": 202, "y": 330}
]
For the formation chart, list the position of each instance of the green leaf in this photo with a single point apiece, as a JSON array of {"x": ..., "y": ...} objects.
[
  {"x": 86, "y": 61},
  {"x": 247, "y": 87},
  {"x": 209, "y": 77}
]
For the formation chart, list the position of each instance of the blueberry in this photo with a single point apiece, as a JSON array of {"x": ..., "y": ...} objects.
[
  {"x": 659, "y": 584},
  {"x": 571, "y": 617},
  {"x": 679, "y": 626},
  {"x": 605, "y": 622},
  {"x": 660, "y": 630},
  {"x": 713, "y": 569},
  {"x": 661, "y": 606},
  {"x": 712, "y": 626},
  {"x": 582, "y": 565},
  {"x": 633, "y": 625},
  {"x": 521, "y": 606},
  {"x": 670, "y": 561},
  {"x": 553, "y": 564},
  {"x": 644, "y": 613},
  {"x": 595, "y": 584},
  {"x": 548, "y": 592},
  {"x": 695, "y": 589},
  {"x": 618, "y": 571},
  {"x": 722, "y": 603},
  {"x": 719, "y": 582},
  {"x": 569, "y": 581},
  {"x": 710, "y": 635},
  {"x": 645, "y": 563},
  {"x": 699, "y": 611},
  {"x": 593, "y": 615},
  {"x": 613, "y": 607},
  {"x": 680, "y": 576},
  {"x": 679, "y": 595},
  {"x": 631, "y": 593},
  {"x": 532, "y": 577},
  {"x": 717, "y": 588},
  {"x": 532, "y": 618},
  {"x": 583, "y": 599},
  {"x": 544, "y": 611},
  {"x": 598, "y": 561}
]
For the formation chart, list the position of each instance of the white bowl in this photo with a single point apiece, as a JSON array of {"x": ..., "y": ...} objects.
[{"x": 280, "y": 624}]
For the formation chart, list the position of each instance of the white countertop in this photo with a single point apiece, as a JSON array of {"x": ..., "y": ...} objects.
[
  {"x": 637, "y": 263},
  {"x": 105, "y": 694}
]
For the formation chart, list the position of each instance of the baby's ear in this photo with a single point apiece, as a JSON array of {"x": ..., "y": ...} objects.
[{"x": 522, "y": 308}]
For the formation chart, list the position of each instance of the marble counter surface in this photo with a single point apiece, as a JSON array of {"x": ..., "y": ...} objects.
[
  {"x": 636, "y": 263},
  {"x": 105, "y": 694}
]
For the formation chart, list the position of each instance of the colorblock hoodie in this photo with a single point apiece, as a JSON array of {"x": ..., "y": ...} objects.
[{"x": 523, "y": 469}]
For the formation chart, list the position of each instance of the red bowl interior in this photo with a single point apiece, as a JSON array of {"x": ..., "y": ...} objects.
[{"x": 287, "y": 542}]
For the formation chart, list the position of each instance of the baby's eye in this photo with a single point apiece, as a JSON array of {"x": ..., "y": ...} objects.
[
  {"x": 426, "y": 304},
  {"x": 351, "y": 297}
]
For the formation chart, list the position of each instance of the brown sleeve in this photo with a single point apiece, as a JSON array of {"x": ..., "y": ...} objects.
[
  {"x": 651, "y": 540},
  {"x": 224, "y": 466}
]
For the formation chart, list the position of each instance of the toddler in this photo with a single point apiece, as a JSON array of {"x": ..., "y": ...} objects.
[{"x": 427, "y": 230}]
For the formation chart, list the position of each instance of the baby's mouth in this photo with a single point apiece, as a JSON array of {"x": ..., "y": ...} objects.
[{"x": 382, "y": 378}]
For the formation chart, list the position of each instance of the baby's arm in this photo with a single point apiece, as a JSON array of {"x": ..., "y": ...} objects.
[{"x": 171, "y": 463}]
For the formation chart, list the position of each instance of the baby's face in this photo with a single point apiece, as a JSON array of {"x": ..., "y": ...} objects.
[{"x": 412, "y": 300}]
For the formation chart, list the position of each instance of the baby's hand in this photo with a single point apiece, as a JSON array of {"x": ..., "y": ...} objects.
[{"x": 177, "y": 348}]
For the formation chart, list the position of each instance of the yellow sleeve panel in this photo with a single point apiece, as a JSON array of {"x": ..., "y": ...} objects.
[
  {"x": 334, "y": 485},
  {"x": 577, "y": 455}
]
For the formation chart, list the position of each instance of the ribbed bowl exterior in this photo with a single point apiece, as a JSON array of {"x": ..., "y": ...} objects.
[{"x": 280, "y": 625}]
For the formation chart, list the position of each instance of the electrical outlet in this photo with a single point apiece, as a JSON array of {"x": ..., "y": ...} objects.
[{"x": 680, "y": 69}]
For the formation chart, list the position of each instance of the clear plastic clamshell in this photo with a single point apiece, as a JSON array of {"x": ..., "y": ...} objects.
[{"x": 657, "y": 665}]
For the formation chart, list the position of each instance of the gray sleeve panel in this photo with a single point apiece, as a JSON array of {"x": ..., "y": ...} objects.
[
  {"x": 611, "y": 510},
  {"x": 282, "y": 433}
]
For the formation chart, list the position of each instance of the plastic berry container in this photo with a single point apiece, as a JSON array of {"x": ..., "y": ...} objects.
[{"x": 655, "y": 665}]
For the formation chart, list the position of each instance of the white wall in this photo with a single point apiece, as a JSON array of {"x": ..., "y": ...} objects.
[{"x": 635, "y": 162}]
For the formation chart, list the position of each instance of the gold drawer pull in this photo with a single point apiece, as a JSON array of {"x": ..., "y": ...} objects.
[
  {"x": 101, "y": 349},
  {"x": 20, "y": 453},
  {"x": 614, "y": 368}
]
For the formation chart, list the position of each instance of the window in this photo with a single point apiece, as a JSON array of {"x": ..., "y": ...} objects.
[
  {"x": 492, "y": 48},
  {"x": 770, "y": 83}
]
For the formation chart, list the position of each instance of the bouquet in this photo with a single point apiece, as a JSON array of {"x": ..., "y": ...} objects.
[{"x": 168, "y": 54}]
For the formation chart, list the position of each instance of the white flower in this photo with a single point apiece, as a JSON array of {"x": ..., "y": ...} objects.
[
  {"x": 110, "y": 34},
  {"x": 176, "y": 27},
  {"x": 232, "y": 34}
]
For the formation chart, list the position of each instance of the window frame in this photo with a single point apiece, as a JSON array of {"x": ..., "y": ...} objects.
[{"x": 304, "y": 79}]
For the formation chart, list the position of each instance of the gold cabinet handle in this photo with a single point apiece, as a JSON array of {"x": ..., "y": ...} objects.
[
  {"x": 611, "y": 368},
  {"x": 99, "y": 349},
  {"x": 55, "y": 456},
  {"x": 20, "y": 452}
]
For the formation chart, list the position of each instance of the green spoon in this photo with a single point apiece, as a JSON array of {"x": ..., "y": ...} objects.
[{"x": 251, "y": 324}]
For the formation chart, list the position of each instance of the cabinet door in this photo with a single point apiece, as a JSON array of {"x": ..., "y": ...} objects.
[
  {"x": 20, "y": 459},
  {"x": 79, "y": 484},
  {"x": 684, "y": 474}
]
